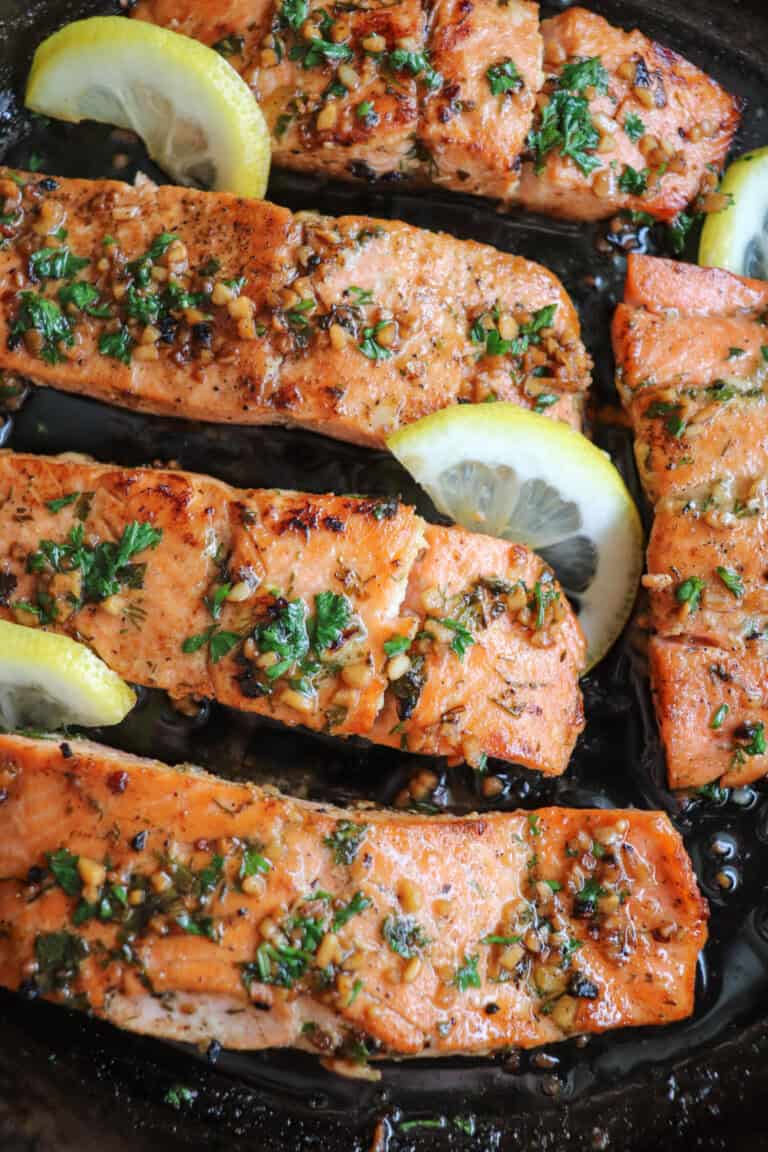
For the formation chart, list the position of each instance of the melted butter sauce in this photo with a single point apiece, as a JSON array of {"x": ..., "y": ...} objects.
[{"x": 617, "y": 763}]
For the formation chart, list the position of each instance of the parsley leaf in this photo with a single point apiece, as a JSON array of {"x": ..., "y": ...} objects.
[
  {"x": 732, "y": 580},
  {"x": 467, "y": 975},
  {"x": 396, "y": 644},
  {"x": 55, "y": 264},
  {"x": 62, "y": 502},
  {"x": 370, "y": 347},
  {"x": 293, "y": 13},
  {"x": 318, "y": 51},
  {"x": 63, "y": 866},
  {"x": 84, "y": 297},
  {"x": 632, "y": 181},
  {"x": 253, "y": 863},
  {"x": 504, "y": 77},
  {"x": 118, "y": 345},
  {"x": 332, "y": 614},
  {"x": 356, "y": 906},
  {"x": 634, "y": 127},
  {"x": 43, "y": 316},
  {"x": 462, "y": 638},
  {"x": 587, "y": 72},
  {"x": 404, "y": 935},
  {"x": 417, "y": 63},
  {"x": 689, "y": 592},
  {"x": 718, "y": 717},
  {"x": 345, "y": 840},
  {"x": 286, "y": 635}
]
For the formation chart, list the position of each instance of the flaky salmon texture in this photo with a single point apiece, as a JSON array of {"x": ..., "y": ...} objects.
[
  {"x": 204, "y": 306},
  {"x": 350, "y": 616},
  {"x": 179, "y": 905},
  {"x": 571, "y": 116},
  {"x": 692, "y": 352}
]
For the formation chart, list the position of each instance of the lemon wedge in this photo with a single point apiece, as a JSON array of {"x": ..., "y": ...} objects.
[
  {"x": 737, "y": 237},
  {"x": 197, "y": 117},
  {"x": 498, "y": 469},
  {"x": 47, "y": 681}
]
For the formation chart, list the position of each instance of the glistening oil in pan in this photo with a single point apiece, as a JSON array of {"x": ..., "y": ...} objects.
[{"x": 66, "y": 1081}]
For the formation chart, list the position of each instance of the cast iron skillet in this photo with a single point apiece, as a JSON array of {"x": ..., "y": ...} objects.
[{"x": 67, "y": 1082}]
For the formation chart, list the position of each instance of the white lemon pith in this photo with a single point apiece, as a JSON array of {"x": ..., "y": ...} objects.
[
  {"x": 506, "y": 472},
  {"x": 197, "y": 117},
  {"x": 736, "y": 238},
  {"x": 47, "y": 681}
]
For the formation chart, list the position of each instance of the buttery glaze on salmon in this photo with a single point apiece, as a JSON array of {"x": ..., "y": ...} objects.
[
  {"x": 179, "y": 905},
  {"x": 205, "y": 306},
  {"x": 692, "y": 349},
  {"x": 347, "y": 615},
  {"x": 475, "y": 96}
]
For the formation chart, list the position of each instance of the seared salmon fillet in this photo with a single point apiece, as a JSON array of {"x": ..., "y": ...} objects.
[
  {"x": 347, "y": 615},
  {"x": 205, "y": 306},
  {"x": 179, "y": 905},
  {"x": 692, "y": 352},
  {"x": 625, "y": 124},
  {"x": 572, "y": 117}
]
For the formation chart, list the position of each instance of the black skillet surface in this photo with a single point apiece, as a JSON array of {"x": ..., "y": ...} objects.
[{"x": 67, "y": 1082}]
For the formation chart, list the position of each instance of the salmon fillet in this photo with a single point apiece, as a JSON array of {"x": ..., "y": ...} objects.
[
  {"x": 453, "y": 93},
  {"x": 692, "y": 352},
  {"x": 635, "y": 125},
  {"x": 204, "y": 306},
  {"x": 178, "y": 905},
  {"x": 346, "y": 615}
]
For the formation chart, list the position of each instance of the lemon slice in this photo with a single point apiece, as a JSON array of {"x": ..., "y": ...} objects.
[
  {"x": 197, "y": 117},
  {"x": 498, "y": 469},
  {"x": 47, "y": 681},
  {"x": 737, "y": 237}
]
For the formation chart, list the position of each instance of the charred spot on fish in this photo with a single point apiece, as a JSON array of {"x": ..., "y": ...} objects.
[
  {"x": 407, "y": 690},
  {"x": 379, "y": 509},
  {"x": 250, "y": 687},
  {"x": 3, "y": 795},
  {"x": 304, "y": 519},
  {"x": 361, "y": 170},
  {"x": 718, "y": 672},
  {"x": 202, "y": 334},
  {"x": 117, "y": 782},
  {"x": 139, "y": 841},
  {"x": 581, "y": 987},
  {"x": 491, "y": 1009},
  {"x": 35, "y": 875},
  {"x": 66, "y": 750},
  {"x": 8, "y": 584},
  {"x": 333, "y": 524},
  {"x": 642, "y": 74},
  {"x": 48, "y": 184}
]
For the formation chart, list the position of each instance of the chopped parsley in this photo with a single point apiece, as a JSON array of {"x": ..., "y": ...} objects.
[
  {"x": 63, "y": 867},
  {"x": 467, "y": 975},
  {"x": 356, "y": 906},
  {"x": 753, "y": 742},
  {"x": 632, "y": 181},
  {"x": 634, "y": 127},
  {"x": 219, "y": 642},
  {"x": 55, "y": 264},
  {"x": 369, "y": 345},
  {"x": 85, "y": 298},
  {"x": 62, "y": 502},
  {"x": 253, "y": 863},
  {"x": 118, "y": 345},
  {"x": 462, "y": 637},
  {"x": 345, "y": 840},
  {"x": 293, "y": 13},
  {"x": 689, "y": 592},
  {"x": 527, "y": 334},
  {"x": 332, "y": 615},
  {"x": 396, "y": 644},
  {"x": 319, "y": 51},
  {"x": 417, "y": 63},
  {"x": 718, "y": 717},
  {"x": 404, "y": 935},
  {"x": 678, "y": 230},
  {"x": 43, "y": 316},
  {"x": 732, "y": 580},
  {"x": 586, "y": 898},
  {"x": 58, "y": 956},
  {"x": 544, "y": 594},
  {"x": 366, "y": 112},
  {"x": 504, "y": 77},
  {"x": 229, "y": 46},
  {"x": 107, "y": 567},
  {"x": 674, "y": 423},
  {"x": 566, "y": 123},
  {"x": 178, "y": 1094}
]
